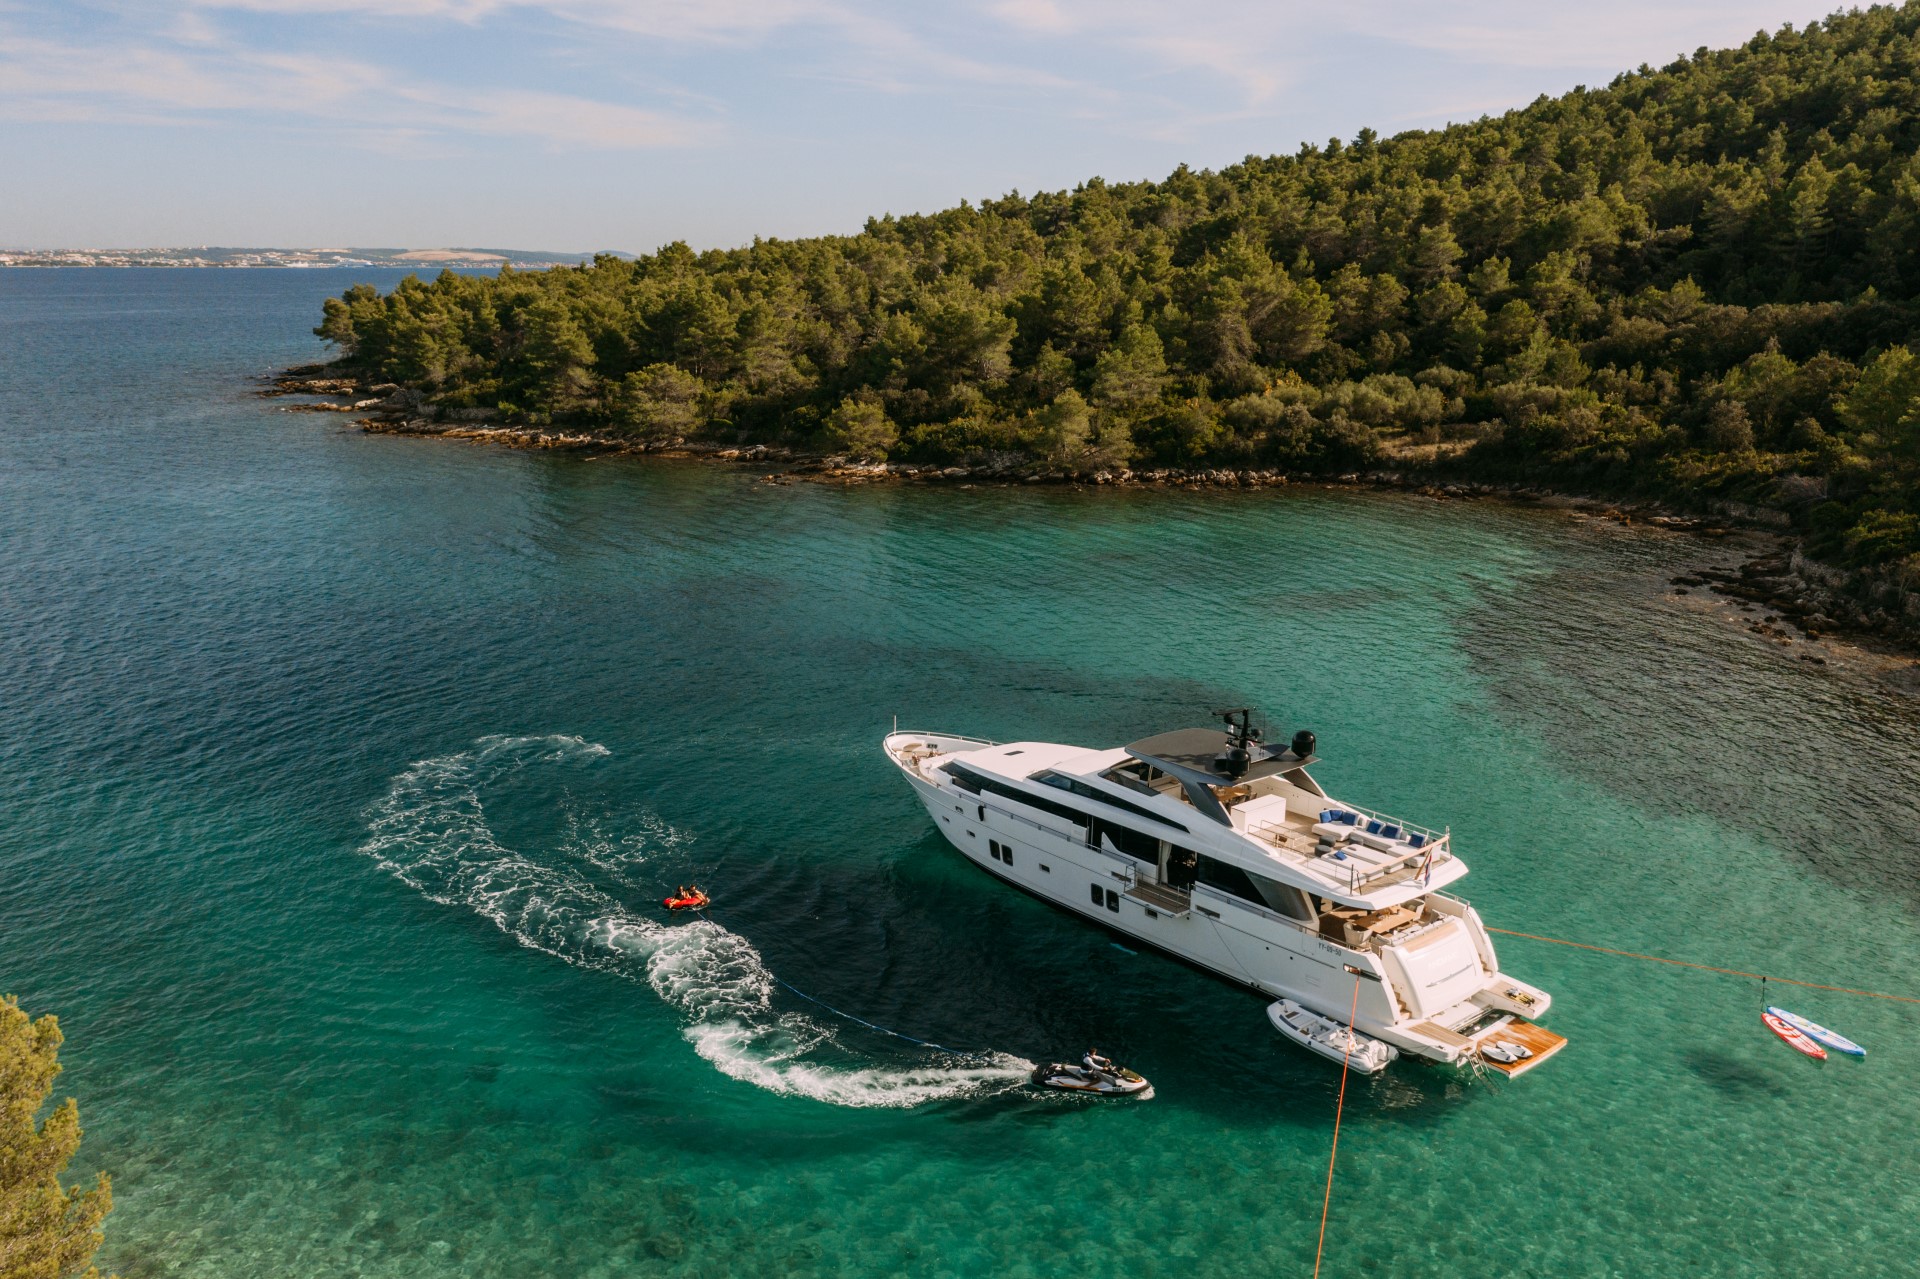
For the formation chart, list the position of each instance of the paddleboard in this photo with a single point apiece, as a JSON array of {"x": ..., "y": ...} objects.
[
  {"x": 1794, "y": 1039},
  {"x": 1814, "y": 1030}
]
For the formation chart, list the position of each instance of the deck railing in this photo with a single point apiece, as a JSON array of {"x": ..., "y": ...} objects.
[
  {"x": 1406, "y": 828},
  {"x": 1437, "y": 848}
]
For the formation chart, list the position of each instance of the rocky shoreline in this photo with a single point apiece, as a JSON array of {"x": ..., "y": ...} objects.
[{"x": 1815, "y": 598}]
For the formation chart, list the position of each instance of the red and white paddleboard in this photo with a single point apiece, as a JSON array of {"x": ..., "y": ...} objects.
[{"x": 1795, "y": 1040}]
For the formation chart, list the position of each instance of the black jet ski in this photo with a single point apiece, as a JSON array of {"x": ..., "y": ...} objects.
[{"x": 1117, "y": 1082}]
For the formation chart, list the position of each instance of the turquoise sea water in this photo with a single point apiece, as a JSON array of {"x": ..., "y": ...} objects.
[{"x": 340, "y": 777}]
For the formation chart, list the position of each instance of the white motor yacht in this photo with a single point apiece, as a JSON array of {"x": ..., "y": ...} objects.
[{"x": 1218, "y": 849}]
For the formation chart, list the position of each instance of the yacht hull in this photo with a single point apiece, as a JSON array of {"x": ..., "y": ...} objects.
[{"x": 1056, "y": 872}]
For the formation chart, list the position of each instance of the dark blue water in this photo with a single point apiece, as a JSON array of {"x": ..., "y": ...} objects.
[{"x": 340, "y": 777}]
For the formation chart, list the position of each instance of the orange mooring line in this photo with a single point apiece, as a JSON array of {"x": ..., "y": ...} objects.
[
  {"x": 1339, "y": 1106},
  {"x": 1709, "y": 968}
]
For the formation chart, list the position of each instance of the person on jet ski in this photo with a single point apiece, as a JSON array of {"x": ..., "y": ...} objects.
[{"x": 1098, "y": 1064}]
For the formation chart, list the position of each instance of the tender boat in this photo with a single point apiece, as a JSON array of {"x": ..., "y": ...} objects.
[
  {"x": 1219, "y": 849},
  {"x": 1331, "y": 1039},
  {"x": 1118, "y": 1082}
]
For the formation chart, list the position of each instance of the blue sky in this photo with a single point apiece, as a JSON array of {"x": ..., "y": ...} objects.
[{"x": 624, "y": 124}]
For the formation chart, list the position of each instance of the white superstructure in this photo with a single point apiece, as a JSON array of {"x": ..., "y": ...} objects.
[{"x": 1223, "y": 852}]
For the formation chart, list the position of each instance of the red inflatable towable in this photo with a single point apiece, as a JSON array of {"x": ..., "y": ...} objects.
[{"x": 689, "y": 899}]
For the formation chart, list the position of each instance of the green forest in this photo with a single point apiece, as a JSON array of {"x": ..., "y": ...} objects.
[{"x": 1700, "y": 283}]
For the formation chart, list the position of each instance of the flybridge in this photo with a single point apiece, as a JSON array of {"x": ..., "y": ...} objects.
[{"x": 1203, "y": 759}]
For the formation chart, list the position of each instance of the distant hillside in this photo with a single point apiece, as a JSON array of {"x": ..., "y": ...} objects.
[{"x": 1698, "y": 282}]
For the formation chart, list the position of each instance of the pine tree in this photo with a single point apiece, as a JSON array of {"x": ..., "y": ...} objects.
[{"x": 46, "y": 1231}]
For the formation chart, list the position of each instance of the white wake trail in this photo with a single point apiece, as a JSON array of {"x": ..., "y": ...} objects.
[{"x": 430, "y": 830}]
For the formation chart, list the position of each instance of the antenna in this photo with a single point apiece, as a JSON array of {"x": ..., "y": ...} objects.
[
  {"x": 1242, "y": 737},
  {"x": 1241, "y": 734}
]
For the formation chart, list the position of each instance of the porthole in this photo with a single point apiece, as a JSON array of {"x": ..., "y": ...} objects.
[
  {"x": 1096, "y": 894},
  {"x": 1113, "y": 901}
]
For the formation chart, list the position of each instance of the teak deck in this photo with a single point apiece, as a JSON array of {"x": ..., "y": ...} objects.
[{"x": 1541, "y": 1041}]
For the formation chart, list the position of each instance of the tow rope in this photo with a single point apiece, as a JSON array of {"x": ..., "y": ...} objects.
[
  {"x": 1709, "y": 968},
  {"x": 861, "y": 1021},
  {"x": 1339, "y": 1107}
]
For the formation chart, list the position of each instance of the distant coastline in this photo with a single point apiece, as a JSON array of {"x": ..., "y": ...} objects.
[{"x": 367, "y": 258}]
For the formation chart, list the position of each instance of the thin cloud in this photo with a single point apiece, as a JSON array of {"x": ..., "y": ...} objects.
[
  {"x": 44, "y": 81},
  {"x": 1260, "y": 47},
  {"x": 688, "y": 20},
  {"x": 1530, "y": 33}
]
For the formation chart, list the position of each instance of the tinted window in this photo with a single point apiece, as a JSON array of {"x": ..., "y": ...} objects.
[
  {"x": 1130, "y": 842},
  {"x": 1181, "y": 867},
  {"x": 1229, "y": 879},
  {"x": 1074, "y": 785},
  {"x": 1289, "y": 901},
  {"x": 977, "y": 783},
  {"x": 1258, "y": 889}
]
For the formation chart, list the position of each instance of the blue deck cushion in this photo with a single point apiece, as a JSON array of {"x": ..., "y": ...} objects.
[
  {"x": 1416, "y": 841},
  {"x": 1373, "y": 828},
  {"x": 1329, "y": 814},
  {"x": 1390, "y": 832}
]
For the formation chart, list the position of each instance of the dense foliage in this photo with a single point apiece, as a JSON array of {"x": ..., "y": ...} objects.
[
  {"x": 1699, "y": 282},
  {"x": 46, "y": 1231}
]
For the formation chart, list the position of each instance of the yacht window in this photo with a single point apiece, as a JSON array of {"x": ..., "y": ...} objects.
[
  {"x": 1113, "y": 901},
  {"x": 1130, "y": 842},
  {"x": 1006, "y": 854},
  {"x": 1182, "y": 866},
  {"x": 1229, "y": 879},
  {"x": 1096, "y": 894},
  {"x": 1288, "y": 900},
  {"x": 1073, "y": 785},
  {"x": 977, "y": 783},
  {"x": 1258, "y": 889},
  {"x": 1133, "y": 776}
]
